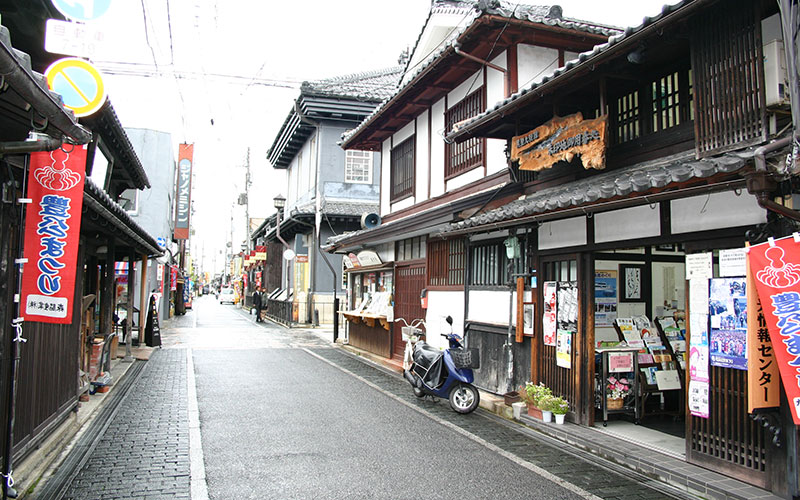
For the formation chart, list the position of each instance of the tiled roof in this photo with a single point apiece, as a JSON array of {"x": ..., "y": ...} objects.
[
  {"x": 346, "y": 208},
  {"x": 370, "y": 86},
  {"x": 100, "y": 202},
  {"x": 638, "y": 178},
  {"x": 550, "y": 16},
  {"x": 582, "y": 59}
]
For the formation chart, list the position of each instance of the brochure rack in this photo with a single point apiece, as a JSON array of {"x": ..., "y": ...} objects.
[{"x": 631, "y": 404}]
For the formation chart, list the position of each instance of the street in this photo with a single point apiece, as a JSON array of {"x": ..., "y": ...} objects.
[{"x": 284, "y": 414}]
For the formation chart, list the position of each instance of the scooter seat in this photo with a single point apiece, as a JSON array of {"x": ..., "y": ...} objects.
[{"x": 425, "y": 355}]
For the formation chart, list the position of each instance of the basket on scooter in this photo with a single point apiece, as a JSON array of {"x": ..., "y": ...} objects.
[{"x": 466, "y": 358}]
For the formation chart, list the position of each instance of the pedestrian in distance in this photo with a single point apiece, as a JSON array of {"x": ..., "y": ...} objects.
[{"x": 257, "y": 303}]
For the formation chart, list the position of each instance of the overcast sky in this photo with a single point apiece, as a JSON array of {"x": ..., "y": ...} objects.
[{"x": 223, "y": 75}]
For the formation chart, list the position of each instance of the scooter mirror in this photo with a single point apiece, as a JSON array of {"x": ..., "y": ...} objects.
[{"x": 449, "y": 320}]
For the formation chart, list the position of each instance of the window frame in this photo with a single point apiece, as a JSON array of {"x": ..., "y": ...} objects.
[
  {"x": 473, "y": 151},
  {"x": 446, "y": 262},
  {"x": 491, "y": 254},
  {"x": 406, "y": 148},
  {"x": 349, "y": 155}
]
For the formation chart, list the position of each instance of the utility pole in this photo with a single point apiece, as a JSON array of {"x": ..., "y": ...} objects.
[{"x": 247, "y": 201}]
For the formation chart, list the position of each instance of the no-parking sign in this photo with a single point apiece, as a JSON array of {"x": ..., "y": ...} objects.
[{"x": 79, "y": 84}]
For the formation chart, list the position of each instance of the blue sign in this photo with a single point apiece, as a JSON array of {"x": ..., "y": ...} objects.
[
  {"x": 162, "y": 242},
  {"x": 82, "y": 10}
]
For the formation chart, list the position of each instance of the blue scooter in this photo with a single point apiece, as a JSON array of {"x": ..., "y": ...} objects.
[{"x": 444, "y": 373}]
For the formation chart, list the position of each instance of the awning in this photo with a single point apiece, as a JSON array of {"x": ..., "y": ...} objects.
[{"x": 653, "y": 180}]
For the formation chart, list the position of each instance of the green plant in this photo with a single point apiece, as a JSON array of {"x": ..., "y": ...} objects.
[
  {"x": 559, "y": 405},
  {"x": 533, "y": 394}
]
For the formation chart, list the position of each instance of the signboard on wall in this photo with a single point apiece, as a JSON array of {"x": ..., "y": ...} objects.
[
  {"x": 560, "y": 139},
  {"x": 605, "y": 298},
  {"x": 183, "y": 191},
  {"x": 52, "y": 232}
]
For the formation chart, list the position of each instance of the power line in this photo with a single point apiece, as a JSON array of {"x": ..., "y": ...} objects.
[{"x": 148, "y": 71}]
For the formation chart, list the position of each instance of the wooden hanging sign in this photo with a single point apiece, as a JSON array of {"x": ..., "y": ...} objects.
[{"x": 561, "y": 139}]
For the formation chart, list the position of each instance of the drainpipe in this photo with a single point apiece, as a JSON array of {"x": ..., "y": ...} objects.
[
  {"x": 506, "y": 73},
  {"x": 760, "y": 184}
]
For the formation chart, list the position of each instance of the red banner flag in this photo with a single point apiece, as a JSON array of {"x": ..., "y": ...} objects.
[
  {"x": 52, "y": 231},
  {"x": 776, "y": 267}
]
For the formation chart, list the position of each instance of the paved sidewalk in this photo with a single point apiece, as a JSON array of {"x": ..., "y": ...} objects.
[{"x": 144, "y": 453}]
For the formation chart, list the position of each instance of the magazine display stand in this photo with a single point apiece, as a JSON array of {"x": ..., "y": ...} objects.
[{"x": 661, "y": 358}]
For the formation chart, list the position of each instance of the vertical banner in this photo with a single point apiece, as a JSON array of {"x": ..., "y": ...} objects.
[
  {"x": 762, "y": 367},
  {"x": 173, "y": 278},
  {"x": 776, "y": 267},
  {"x": 183, "y": 191},
  {"x": 52, "y": 232}
]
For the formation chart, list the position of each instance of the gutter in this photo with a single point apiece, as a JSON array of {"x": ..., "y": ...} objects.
[
  {"x": 760, "y": 183},
  {"x": 47, "y": 143}
]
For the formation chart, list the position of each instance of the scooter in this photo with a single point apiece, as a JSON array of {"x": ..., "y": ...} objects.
[{"x": 444, "y": 373}]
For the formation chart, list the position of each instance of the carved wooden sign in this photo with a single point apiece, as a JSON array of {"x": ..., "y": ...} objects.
[{"x": 560, "y": 139}]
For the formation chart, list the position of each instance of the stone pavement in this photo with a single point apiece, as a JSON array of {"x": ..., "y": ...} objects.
[{"x": 144, "y": 452}]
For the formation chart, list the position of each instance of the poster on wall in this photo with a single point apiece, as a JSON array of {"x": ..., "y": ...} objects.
[
  {"x": 549, "y": 315},
  {"x": 698, "y": 398},
  {"x": 564, "y": 349},
  {"x": 727, "y": 309},
  {"x": 567, "y": 308},
  {"x": 605, "y": 298}
]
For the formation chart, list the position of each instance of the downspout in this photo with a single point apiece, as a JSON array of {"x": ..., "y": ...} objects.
[
  {"x": 760, "y": 184},
  {"x": 506, "y": 73}
]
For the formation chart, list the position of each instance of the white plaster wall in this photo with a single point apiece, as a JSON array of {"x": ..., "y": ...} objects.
[
  {"x": 627, "y": 223},
  {"x": 534, "y": 62},
  {"x": 422, "y": 167},
  {"x": 404, "y": 203},
  {"x": 437, "y": 149},
  {"x": 490, "y": 236},
  {"x": 718, "y": 210},
  {"x": 495, "y": 156},
  {"x": 403, "y": 134},
  {"x": 495, "y": 80},
  {"x": 465, "y": 88},
  {"x": 489, "y": 306},
  {"x": 466, "y": 178},
  {"x": 440, "y": 305},
  {"x": 562, "y": 233},
  {"x": 386, "y": 177}
]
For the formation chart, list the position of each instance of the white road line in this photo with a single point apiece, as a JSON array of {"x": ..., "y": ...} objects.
[
  {"x": 199, "y": 488},
  {"x": 517, "y": 460}
]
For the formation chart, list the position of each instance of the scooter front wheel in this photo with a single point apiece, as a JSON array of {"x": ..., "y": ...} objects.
[
  {"x": 464, "y": 398},
  {"x": 419, "y": 392}
]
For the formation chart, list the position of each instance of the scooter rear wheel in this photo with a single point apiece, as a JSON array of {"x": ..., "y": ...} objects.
[{"x": 464, "y": 398}]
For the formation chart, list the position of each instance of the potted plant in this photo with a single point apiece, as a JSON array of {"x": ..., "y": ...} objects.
[
  {"x": 546, "y": 404},
  {"x": 559, "y": 406},
  {"x": 616, "y": 391},
  {"x": 532, "y": 394}
]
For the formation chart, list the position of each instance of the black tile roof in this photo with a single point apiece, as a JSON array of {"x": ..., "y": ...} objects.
[
  {"x": 339, "y": 208},
  {"x": 624, "y": 182},
  {"x": 369, "y": 86}
]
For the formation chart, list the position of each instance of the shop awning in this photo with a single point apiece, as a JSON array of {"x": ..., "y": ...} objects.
[
  {"x": 673, "y": 174},
  {"x": 110, "y": 219}
]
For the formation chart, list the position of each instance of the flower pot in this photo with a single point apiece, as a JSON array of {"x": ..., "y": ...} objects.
[
  {"x": 534, "y": 412},
  {"x": 613, "y": 403},
  {"x": 547, "y": 416},
  {"x": 518, "y": 408},
  {"x": 511, "y": 397},
  {"x": 560, "y": 418}
]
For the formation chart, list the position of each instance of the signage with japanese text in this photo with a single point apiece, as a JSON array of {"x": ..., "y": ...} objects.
[
  {"x": 52, "y": 230},
  {"x": 183, "y": 191},
  {"x": 261, "y": 253},
  {"x": 561, "y": 139},
  {"x": 762, "y": 367},
  {"x": 776, "y": 267}
]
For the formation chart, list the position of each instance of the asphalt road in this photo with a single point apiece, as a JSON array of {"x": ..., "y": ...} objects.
[{"x": 278, "y": 421}]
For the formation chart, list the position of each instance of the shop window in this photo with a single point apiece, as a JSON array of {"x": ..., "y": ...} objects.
[
  {"x": 489, "y": 264},
  {"x": 410, "y": 249},
  {"x": 358, "y": 167},
  {"x": 446, "y": 263},
  {"x": 402, "y": 164},
  {"x": 463, "y": 156}
]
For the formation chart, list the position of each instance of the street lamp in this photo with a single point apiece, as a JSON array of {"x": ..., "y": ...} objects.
[{"x": 279, "y": 202}]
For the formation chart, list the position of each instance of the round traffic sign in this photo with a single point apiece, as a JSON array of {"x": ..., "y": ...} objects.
[
  {"x": 79, "y": 84},
  {"x": 82, "y": 10}
]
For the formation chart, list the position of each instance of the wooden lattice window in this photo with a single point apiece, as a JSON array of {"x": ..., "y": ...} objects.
[
  {"x": 627, "y": 118},
  {"x": 463, "y": 156},
  {"x": 728, "y": 70},
  {"x": 489, "y": 264},
  {"x": 403, "y": 170},
  {"x": 446, "y": 263}
]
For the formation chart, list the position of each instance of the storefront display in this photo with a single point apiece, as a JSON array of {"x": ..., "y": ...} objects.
[{"x": 370, "y": 309}]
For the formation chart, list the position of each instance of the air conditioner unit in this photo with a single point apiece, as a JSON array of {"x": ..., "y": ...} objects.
[{"x": 776, "y": 79}]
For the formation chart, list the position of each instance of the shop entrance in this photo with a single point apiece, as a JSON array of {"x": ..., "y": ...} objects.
[
  {"x": 639, "y": 301},
  {"x": 410, "y": 282}
]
